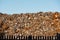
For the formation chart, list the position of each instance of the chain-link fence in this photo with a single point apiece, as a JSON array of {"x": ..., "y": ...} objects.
[{"x": 57, "y": 37}]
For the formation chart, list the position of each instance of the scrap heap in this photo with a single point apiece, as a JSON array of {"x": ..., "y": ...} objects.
[{"x": 35, "y": 24}]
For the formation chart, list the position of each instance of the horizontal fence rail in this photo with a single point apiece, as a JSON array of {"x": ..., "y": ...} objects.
[{"x": 57, "y": 37}]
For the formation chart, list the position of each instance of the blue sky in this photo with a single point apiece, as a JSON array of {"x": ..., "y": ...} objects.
[{"x": 26, "y": 6}]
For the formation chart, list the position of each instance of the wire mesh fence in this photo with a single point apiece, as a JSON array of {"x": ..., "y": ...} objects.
[{"x": 57, "y": 37}]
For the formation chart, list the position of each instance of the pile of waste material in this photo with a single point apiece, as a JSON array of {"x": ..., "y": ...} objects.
[{"x": 35, "y": 24}]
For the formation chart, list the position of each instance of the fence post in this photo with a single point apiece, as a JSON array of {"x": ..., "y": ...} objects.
[
  {"x": 58, "y": 36},
  {"x": 30, "y": 37}
]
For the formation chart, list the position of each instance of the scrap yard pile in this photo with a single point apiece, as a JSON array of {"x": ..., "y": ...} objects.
[{"x": 35, "y": 24}]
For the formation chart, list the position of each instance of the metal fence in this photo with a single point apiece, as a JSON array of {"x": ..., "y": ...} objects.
[{"x": 57, "y": 37}]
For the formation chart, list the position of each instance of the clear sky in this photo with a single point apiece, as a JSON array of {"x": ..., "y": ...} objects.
[{"x": 26, "y": 6}]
